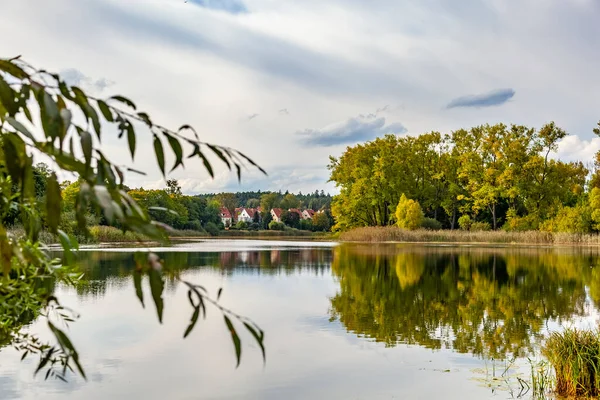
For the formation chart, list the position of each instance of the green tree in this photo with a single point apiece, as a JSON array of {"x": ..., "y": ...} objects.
[
  {"x": 290, "y": 201},
  {"x": 408, "y": 214},
  {"x": 321, "y": 222},
  {"x": 74, "y": 148},
  {"x": 229, "y": 201},
  {"x": 269, "y": 201},
  {"x": 173, "y": 187}
]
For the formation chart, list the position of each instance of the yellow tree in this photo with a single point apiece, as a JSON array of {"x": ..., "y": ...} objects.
[{"x": 408, "y": 213}]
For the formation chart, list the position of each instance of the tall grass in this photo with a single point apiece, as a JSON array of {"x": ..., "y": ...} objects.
[
  {"x": 395, "y": 234},
  {"x": 575, "y": 356}
]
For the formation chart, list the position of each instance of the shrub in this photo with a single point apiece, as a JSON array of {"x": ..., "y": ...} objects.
[
  {"x": 408, "y": 213},
  {"x": 569, "y": 220},
  {"x": 306, "y": 225},
  {"x": 212, "y": 229},
  {"x": 431, "y": 224},
  {"x": 255, "y": 226},
  {"x": 478, "y": 226},
  {"x": 241, "y": 225},
  {"x": 464, "y": 222},
  {"x": 276, "y": 226},
  {"x": 515, "y": 223}
]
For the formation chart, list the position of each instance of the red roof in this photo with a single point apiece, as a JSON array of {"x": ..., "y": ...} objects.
[
  {"x": 277, "y": 212},
  {"x": 251, "y": 212},
  {"x": 295, "y": 210},
  {"x": 225, "y": 213},
  {"x": 310, "y": 212}
]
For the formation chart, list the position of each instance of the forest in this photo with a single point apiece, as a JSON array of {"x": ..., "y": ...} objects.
[{"x": 489, "y": 177}]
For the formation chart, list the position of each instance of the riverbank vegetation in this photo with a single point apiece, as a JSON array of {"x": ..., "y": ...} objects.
[{"x": 487, "y": 178}]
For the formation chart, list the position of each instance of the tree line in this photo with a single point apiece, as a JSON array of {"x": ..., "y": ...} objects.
[{"x": 486, "y": 177}]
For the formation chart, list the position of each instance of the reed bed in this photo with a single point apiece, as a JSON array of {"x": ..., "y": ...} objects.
[
  {"x": 575, "y": 357},
  {"x": 395, "y": 234}
]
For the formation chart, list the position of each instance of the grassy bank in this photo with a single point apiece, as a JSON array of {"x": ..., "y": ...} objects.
[
  {"x": 268, "y": 233},
  {"x": 394, "y": 234}
]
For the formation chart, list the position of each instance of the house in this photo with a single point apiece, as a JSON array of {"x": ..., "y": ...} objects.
[
  {"x": 226, "y": 218},
  {"x": 243, "y": 215},
  {"x": 308, "y": 214},
  {"x": 276, "y": 214}
]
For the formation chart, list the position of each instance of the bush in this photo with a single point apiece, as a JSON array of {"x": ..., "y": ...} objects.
[
  {"x": 431, "y": 224},
  {"x": 212, "y": 229},
  {"x": 193, "y": 226},
  {"x": 255, "y": 226},
  {"x": 570, "y": 220},
  {"x": 306, "y": 225},
  {"x": 408, "y": 213},
  {"x": 464, "y": 222},
  {"x": 276, "y": 226},
  {"x": 480, "y": 226},
  {"x": 515, "y": 223},
  {"x": 241, "y": 225}
]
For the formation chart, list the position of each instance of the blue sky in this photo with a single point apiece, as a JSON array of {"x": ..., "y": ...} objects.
[{"x": 292, "y": 82}]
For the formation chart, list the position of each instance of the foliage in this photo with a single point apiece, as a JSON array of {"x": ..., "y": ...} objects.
[
  {"x": 290, "y": 218},
  {"x": 408, "y": 213},
  {"x": 322, "y": 221},
  {"x": 276, "y": 226},
  {"x": 569, "y": 219},
  {"x": 482, "y": 172},
  {"x": 431, "y": 224},
  {"x": 306, "y": 225},
  {"x": 465, "y": 222},
  {"x": 241, "y": 225},
  {"x": 41, "y": 114},
  {"x": 212, "y": 229}
]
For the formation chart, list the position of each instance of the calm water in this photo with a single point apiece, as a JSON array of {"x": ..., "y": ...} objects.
[{"x": 341, "y": 322}]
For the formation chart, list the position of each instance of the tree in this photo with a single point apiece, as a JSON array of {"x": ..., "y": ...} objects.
[
  {"x": 291, "y": 219},
  {"x": 289, "y": 201},
  {"x": 74, "y": 148},
  {"x": 269, "y": 201},
  {"x": 408, "y": 214},
  {"x": 253, "y": 203},
  {"x": 229, "y": 201},
  {"x": 173, "y": 187},
  {"x": 321, "y": 222}
]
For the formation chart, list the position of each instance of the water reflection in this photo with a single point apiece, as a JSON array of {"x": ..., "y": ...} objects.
[{"x": 493, "y": 303}]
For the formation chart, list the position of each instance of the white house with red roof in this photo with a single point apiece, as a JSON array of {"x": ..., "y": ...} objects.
[
  {"x": 308, "y": 214},
  {"x": 247, "y": 214},
  {"x": 226, "y": 218},
  {"x": 276, "y": 214}
]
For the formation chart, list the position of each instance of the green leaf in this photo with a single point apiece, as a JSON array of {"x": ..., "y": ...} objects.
[
  {"x": 20, "y": 127},
  {"x": 258, "y": 337},
  {"x": 160, "y": 155},
  {"x": 7, "y": 98},
  {"x": 86, "y": 145},
  {"x": 13, "y": 69},
  {"x": 105, "y": 110},
  {"x": 235, "y": 339},
  {"x": 53, "y": 203},
  {"x": 67, "y": 346},
  {"x": 192, "y": 321},
  {"x": 157, "y": 287},
  {"x": 146, "y": 118},
  {"x": 131, "y": 139},
  {"x": 198, "y": 152},
  {"x": 137, "y": 282},
  {"x": 44, "y": 361},
  {"x": 219, "y": 293},
  {"x": 219, "y": 154},
  {"x": 125, "y": 100},
  {"x": 176, "y": 146},
  {"x": 50, "y": 115}
]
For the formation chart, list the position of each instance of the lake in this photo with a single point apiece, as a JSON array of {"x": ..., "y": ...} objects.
[{"x": 348, "y": 321}]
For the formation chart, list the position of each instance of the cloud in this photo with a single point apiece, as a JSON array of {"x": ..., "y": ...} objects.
[
  {"x": 284, "y": 111},
  {"x": 494, "y": 98},
  {"x": 383, "y": 109},
  {"x": 252, "y": 116},
  {"x": 230, "y": 6},
  {"x": 74, "y": 77},
  {"x": 353, "y": 130}
]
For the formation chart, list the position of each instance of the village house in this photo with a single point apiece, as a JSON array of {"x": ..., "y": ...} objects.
[
  {"x": 308, "y": 214},
  {"x": 276, "y": 214},
  {"x": 247, "y": 215},
  {"x": 226, "y": 218}
]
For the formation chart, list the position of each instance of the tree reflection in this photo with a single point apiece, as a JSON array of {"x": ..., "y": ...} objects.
[{"x": 489, "y": 302}]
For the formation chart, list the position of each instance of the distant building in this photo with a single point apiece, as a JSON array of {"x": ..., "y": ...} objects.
[
  {"x": 226, "y": 218},
  {"x": 247, "y": 214},
  {"x": 308, "y": 214},
  {"x": 276, "y": 214}
]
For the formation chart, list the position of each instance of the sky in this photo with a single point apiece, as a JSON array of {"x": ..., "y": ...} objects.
[{"x": 291, "y": 83}]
